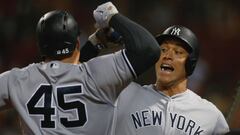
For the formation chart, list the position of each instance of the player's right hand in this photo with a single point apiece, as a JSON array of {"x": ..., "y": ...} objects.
[
  {"x": 103, "y": 13},
  {"x": 93, "y": 38},
  {"x": 100, "y": 38}
]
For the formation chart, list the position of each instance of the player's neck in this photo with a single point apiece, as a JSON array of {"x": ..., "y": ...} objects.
[
  {"x": 72, "y": 59},
  {"x": 170, "y": 90}
]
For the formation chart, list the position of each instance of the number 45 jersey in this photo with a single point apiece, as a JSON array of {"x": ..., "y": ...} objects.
[{"x": 55, "y": 98}]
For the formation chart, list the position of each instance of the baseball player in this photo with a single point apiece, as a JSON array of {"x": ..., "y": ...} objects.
[
  {"x": 61, "y": 95},
  {"x": 168, "y": 107}
]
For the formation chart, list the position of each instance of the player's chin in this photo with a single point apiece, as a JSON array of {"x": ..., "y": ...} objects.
[{"x": 164, "y": 78}]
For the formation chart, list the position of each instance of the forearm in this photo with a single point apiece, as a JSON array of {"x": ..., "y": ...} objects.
[
  {"x": 142, "y": 49},
  {"x": 88, "y": 51}
]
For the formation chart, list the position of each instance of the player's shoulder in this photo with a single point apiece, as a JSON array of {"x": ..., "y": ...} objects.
[
  {"x": 133, "y": 85},
  {"x": 16, "y": 71},
  {"x": 116, "y": 61},
  {"x": 22, "y": 69},
  {"x": 203, "y": 102},
  {"x": 135, "y": 88},
  {"x": 141, "y": 88},
  {"x": 132, "y": 88},
  {"x": 106, "y": 57}
]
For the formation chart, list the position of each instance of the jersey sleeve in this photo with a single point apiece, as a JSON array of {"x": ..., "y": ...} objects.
[
  {"x": 221, "y": 125},
  {"x": 111, "y": 74},
  {"x": 4, "y": 90}
]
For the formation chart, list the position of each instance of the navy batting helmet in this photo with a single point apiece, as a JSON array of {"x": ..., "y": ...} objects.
[
  {"x": 57, "y": 33},
  {"x": 191, "y": 43}
]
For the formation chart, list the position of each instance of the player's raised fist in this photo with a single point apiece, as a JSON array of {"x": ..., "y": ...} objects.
[{"x": 103, "y": 13}]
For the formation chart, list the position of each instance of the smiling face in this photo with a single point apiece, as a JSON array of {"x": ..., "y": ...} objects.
[{"x": 170, "y": 68}]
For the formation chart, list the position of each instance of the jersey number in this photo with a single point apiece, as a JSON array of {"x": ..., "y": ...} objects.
[{"x": 45, "y": 92}]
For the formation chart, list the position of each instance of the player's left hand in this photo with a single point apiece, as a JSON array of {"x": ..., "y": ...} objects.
[{"x": 103, "y": 14}]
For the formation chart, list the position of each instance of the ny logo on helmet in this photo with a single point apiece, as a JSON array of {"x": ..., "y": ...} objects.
[{"x": 175, "y": 31}]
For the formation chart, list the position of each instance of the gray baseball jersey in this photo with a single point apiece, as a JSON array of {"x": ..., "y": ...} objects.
[
  {"x": 65, "y": 99},
  {"x": 145, "y": 111}
]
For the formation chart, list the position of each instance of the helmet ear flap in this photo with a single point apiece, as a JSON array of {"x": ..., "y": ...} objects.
[{"x": 190, "y": 65}]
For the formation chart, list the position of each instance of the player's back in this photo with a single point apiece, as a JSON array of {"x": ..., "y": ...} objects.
[{"x": 57, "y": 98}]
